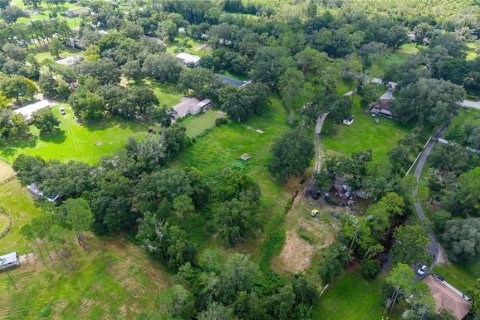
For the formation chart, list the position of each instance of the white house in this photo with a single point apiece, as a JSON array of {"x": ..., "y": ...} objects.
[{"x": 188, "y": 59}]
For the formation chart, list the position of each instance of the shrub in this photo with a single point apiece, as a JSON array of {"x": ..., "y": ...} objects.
[
  {"x": 220, "y": 121},
  {"x": 370, "y": 268}
]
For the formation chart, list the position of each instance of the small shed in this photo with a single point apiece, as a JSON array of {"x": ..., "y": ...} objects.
[
  {"x": 245, "y": 156},
  {"x": 9, "y": 261},
  {"x": 348, "y": 120},
  {"x": 188, "y": 59}
]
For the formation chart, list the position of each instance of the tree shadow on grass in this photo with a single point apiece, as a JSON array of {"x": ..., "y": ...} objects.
[
  {"x": 10, "y": 148},
  {"x": 113, "y": 121},
  {"x": 56, "y": 136}
]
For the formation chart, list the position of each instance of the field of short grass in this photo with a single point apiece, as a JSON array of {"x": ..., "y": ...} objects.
[
  {"x": 353, "y": 298},
  {"x": 364, "y": 134},
  {"x": 399, "y": 56},
  {"x": 114, "y": 279},
  {"x": 68, "y": 52},
  {"x": 167, "y": 94},
  {"x": 196, "y": 125},
  {"x": 223, "y": 146},
  {"x": 464, "y": 116},
  {"x": 461, "y": 275},
  {"x": 74, "y": 141}
]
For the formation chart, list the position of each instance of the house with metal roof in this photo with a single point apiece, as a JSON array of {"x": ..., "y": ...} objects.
[
  {"x": 188, "y": 59},
  {"x": 9, "y": 261}
]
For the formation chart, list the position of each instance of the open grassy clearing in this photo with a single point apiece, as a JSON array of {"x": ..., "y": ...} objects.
[
  {"x": 353, "y": 298},
  {"x": 464, "y": 117},
  {"x": 114, "y": 279},
  {"x": 189, "y": 45},
  {"x": 196, "y": 125},
  {"x": 364, "y": 134},
  {"x": 45, "y": 10},
  {"x": 399, "y": 56},
  {"x": 167, "y": 94},
  {"x": 305, "y": 235},
  {"x": 76, "y": 142},
  {"x": 68, "y": 52},
  {"x": 472, "y": 51},
  {"x": 461, "y": 275},
  {"x": 223, "y": 146}
]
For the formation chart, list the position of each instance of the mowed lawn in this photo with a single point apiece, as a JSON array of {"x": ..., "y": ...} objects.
[
  {"x": 195, "y": 125},
  {"x": 461, "y": 275},
  {"x": 114, "y": 279},
  {"x": 352, "y": 298},
  {"x": 75, "y": 141},
  {"x": 364, "y": 134}
]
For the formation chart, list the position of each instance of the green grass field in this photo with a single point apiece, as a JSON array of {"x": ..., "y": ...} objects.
[
  {"x": 364, "y": 134},
  {"x": 195, "y": 125},
  {"x": 114, "y": 279},
  {"x": 167, "y": 94},
  {"x": 223, "y": 146},
  {"x": 353, "y": 298},
  {"x": 76, "y": 142},
  {"x": 461, "y": 275},
  {"x": 401, "y": 55},
  {"x": 68, "y": 52}
]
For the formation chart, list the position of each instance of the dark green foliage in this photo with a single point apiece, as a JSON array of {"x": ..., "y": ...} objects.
[
  {"x": 370, "y": 268},
  {"x": 463, "y": 198},
  {"x": 409, "y": 247},
  {"x": 334, "y": 258},
  {"x": 245, "y": 102},
  {"x": 201, "y": 82},
  {"x": 462, "y": 238},
  {"x": 291, "y": 153},
  {"x": 45, "y": 120}
]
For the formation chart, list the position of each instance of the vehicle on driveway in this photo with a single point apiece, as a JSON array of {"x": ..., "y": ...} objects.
[
  {"x": 62, "y": 111},
  {"x": 439, "y": 277},
  {"x": 422, "y": 270},
  {"x": 314, "y": 213}
]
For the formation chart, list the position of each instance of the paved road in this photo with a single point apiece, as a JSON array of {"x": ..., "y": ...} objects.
[
  {"x": 434, "y": 247},
  {"x": 470, "y": 104}
]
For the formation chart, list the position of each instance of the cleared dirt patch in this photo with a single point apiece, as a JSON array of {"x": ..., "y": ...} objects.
[
  {"x": 6, "y": 172},
  {"x": 304, "y": 236},
  {"x": 296, "y": 253}
]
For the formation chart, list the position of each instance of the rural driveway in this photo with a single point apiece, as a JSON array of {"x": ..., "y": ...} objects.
[
  {"x": 434, "y": 247},
  {"x": 470, "y": 104},
  {"x": 318, "y": 144}
]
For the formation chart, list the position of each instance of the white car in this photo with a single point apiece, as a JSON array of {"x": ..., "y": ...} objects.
[
  {"x": 422, "y": 270},
  {"x": 62, "y": 111}
]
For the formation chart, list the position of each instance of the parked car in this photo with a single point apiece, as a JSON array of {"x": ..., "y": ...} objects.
[
  {"x": 314, "y": 213},
  {"x": 62, "y": 110},
  {"x": 316, "y": 195},
  {"x": 422, "y": 270},
  {"x": 439, "y": 277}
]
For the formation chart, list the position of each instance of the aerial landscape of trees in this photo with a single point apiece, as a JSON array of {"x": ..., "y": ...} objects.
[{"x": 210, "y": 197}]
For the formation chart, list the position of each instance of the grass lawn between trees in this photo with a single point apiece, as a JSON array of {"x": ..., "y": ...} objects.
[
  {"x": 353, "y": 298},
  {"x": 76, "y": 142},
  {"x": 364, "y": 134},
  {"x": 221, "y": 148}
]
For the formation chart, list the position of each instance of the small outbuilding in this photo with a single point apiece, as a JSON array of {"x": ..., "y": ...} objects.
[
  {"x": 188, "y": 59},
  {"x": 37, "y": 193},
  {"x": 245, "y": 156},
  {"x": 9, "y": 261},
  {"x": 348, "y": 120}
]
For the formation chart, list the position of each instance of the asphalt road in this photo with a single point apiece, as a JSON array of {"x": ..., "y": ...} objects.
[{"x": 434, "y": 247}]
